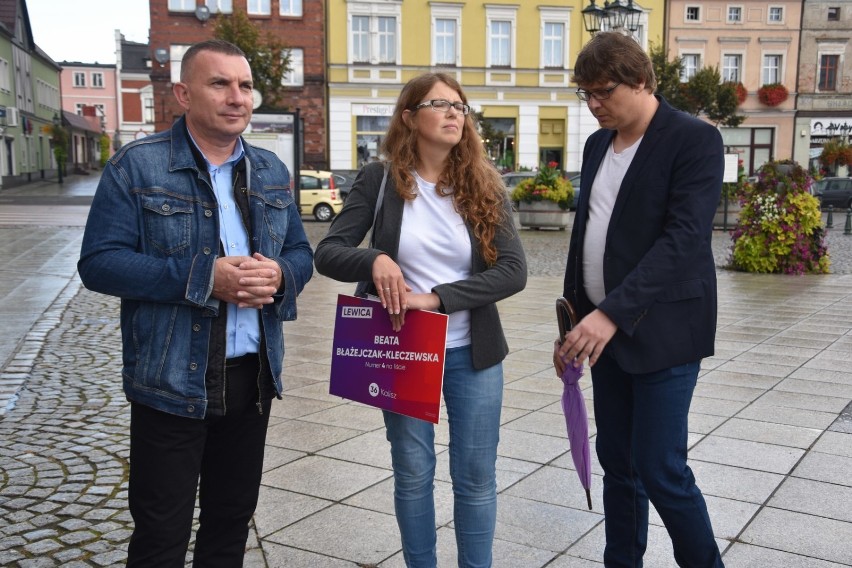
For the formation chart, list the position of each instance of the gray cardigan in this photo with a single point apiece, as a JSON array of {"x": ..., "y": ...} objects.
[{"x": 338, "y": 256}]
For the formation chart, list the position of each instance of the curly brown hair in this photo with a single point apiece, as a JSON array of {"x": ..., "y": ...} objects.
[{"x": 475, "y": 185}]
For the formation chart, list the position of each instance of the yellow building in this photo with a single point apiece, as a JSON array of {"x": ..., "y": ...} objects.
[{"x": 514, "y": 59}]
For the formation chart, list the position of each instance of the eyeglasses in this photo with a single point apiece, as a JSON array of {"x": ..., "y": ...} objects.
[
  {"x": 442, "y": 105},
  {"x": 597, "y": 94}
]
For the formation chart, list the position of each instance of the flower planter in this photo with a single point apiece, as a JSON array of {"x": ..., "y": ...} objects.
[{"x": 538, "y": 214}]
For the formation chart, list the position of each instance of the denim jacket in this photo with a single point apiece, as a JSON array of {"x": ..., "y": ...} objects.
[{"x": 152, "y": 238}]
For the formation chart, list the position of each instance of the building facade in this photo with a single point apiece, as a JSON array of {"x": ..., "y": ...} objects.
[
  {"x": 29, "y": 99},
  {"x": 134, "y": 92},
  {"x": 754, "y": 43},
  {"x": 824, "y": 106},
  {"x": 514, "y": 60},
  {"x": 90, "y": 85},
  {"x": 177, "y": 24}
]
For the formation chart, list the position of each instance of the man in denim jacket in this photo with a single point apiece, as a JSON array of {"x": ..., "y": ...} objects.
[{"x": 198, "y": 234}]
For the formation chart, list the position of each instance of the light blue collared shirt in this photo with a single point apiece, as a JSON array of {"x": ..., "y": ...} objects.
[{"x": 243, "y": 333}]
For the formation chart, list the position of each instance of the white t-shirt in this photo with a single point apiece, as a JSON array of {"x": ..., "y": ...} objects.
[
  {"x": 434, "y": 248},
  {"x": 601, "y": 202}
]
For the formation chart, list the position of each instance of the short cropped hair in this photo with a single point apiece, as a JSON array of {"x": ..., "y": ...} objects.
[
  {"x": 617, "y": 57},
  {"x": 215, "y": 45}
]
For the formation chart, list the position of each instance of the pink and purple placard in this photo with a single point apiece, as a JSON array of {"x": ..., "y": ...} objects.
[{"x": 397, "y": 371}]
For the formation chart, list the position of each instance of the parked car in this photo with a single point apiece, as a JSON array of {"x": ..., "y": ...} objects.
[
  {"x": 318, "y": 195},
  {"x": 512, "y": 179},
  {"x": 343, "y": 180},
  {"x": 836, "y": 191},
  {"x": 575, "y": 183}
]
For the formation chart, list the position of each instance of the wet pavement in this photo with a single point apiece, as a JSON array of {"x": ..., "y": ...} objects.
[{"x": 770, "y": 426}]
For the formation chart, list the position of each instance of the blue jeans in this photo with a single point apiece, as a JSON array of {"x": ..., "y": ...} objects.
[
  {"x": 473, "y": 399},
  {"x": 641, "y": 445}
]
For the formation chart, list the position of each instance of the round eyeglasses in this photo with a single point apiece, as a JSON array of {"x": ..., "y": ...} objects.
[
  {"x": 597, "y": 94},
  {"x": 443, "y": 105}
]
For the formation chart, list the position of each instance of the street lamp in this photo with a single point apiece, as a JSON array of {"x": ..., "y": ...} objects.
[
  {"x": 57, "y": 123},
  {"x": 614, "y": 15}
]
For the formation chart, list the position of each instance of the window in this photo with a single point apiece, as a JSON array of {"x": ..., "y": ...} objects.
[
  {"x": 501, "y": 44},
  {"x": 828, "y": 72},
  {"x": 148, "y": 109},
  {"x": 445, "y": 42},
  {"x": 78, "y": 108},
  {"x": 776, "y": 14},
  {"x": 290, "y": 8},
  {"x": 258, "y": 7},
  {"x": 553, "y": 48},
  {"x": 693, "y": 14},
  {"x": 181, "y": 5},
  {"x": 374, "y": 39},
  {"x": 176, "y": 60},
  {"x": 79, "y": 79},
  {"x": 220, "y": 6},
  {"x": 295, "y": 77},
  {"x": 5, "y": 82},
  {"x": 771, "y": 69},
  {"x": 732, "y": 65},
  {"x": 98, "y": 80},
  {"x": 387, "y": 39},
  {"x": 691, "y": 64},
  {"x": 834, "y": 13},
  {"x": 735, "y": 14}
]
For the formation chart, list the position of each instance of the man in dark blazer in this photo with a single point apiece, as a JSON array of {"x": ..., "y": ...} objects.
[{"x": 642, "y": 276}]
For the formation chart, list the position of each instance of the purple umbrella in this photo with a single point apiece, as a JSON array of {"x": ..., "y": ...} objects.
[{"x": 573, "y": 405}]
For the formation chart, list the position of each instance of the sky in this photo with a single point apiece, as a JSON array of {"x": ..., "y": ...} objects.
[{"x": 84, "y": 30}]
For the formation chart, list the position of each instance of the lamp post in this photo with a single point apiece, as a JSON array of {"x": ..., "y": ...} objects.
[
  {"x": 614, "y": 15},
  {"x": 57, "y": 123}
]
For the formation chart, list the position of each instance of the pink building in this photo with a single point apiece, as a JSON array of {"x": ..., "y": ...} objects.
[{"x": 90, "y": 85}]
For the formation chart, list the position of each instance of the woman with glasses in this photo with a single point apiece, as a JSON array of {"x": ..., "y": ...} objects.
[
  {"x": 641, "y": 273},
  {"x": 444, "y": 240}
]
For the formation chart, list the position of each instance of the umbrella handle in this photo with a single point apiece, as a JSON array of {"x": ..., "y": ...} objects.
[
  {"x": 566, "y": 317},
  {"x": 589, "y": 499}
]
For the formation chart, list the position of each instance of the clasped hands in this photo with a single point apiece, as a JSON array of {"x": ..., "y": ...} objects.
[
  {"x": 395, "y": 294},
  {"x": 247, "y": 281}
]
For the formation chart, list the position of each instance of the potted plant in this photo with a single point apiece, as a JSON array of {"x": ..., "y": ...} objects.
[
  {"x": 772, "y": 94},
  {"x": 543, "y": 200},
  {"x": 780, "y": 226},
  {"x": 742, "y": 93},
  {"x": 835, "y": 153}
]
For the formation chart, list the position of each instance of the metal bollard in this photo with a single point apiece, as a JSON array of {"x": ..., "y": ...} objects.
[
  {"x": 830, "y": 223},
  {"x": 847, "y": 230}
]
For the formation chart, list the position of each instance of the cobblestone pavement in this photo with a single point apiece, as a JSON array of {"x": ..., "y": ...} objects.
[{"x": 64, "y": 441}]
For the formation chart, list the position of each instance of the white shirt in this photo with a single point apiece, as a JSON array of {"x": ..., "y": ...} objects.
[
  {"x": 434, "y": 248},
  {"x": 601, "y": 203}
]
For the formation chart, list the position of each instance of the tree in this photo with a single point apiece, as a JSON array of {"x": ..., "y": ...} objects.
[
  {"x": 104, "y": 146},
  {"x": 704, "y": 93},
  {"x": 59, "y": 137},
  {"x": 268, "y": 57}
]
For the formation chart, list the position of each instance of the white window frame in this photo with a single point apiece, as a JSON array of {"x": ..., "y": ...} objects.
[
  {"x": 5, "y": 77},
  {"x": 176, "y": 52},
  {"x": 686, "y": 10},
  {"x": 684, "y": 77},
  {"x": 447, "y": 12},
  {"x": 78, "y": 108},
  {"x": 290, "y": 8},
  {"x": 559, "y": 17},
  {"x": 78, "y": 79},
  {"x": 494, "y": 13},
  {"x": 381, "y": 72},
  {"x": 220, "y": 6},
  {"x": 147, "y": 100},
  {"x": 181, "y": 5},
  {"x": 738, "y": 20},
  {"x": 97, "y": 80},
  {"x": 769, "y": 10},
  {"x": 47, "y": 95},
  {"x": 837, "y": 11},
  {"x": 259, "y": 7},
  {"x": 764, "y": 69},
  {"x": 741, "y": 56},
  {"x": 296, "y": 76},
  {"x": 500, "y": 33}
]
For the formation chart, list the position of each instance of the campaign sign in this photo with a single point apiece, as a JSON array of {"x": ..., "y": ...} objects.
[{"x": 398, "y": 371}]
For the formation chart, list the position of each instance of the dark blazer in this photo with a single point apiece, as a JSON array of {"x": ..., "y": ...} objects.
[
  {"x": 659, "y": 272},
  {"x": 339, "y": 256}
]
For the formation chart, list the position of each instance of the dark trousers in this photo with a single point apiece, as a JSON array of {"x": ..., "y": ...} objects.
[
  {"x": 641, "y": 445},
  {"x": 168, "y": 455}
]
